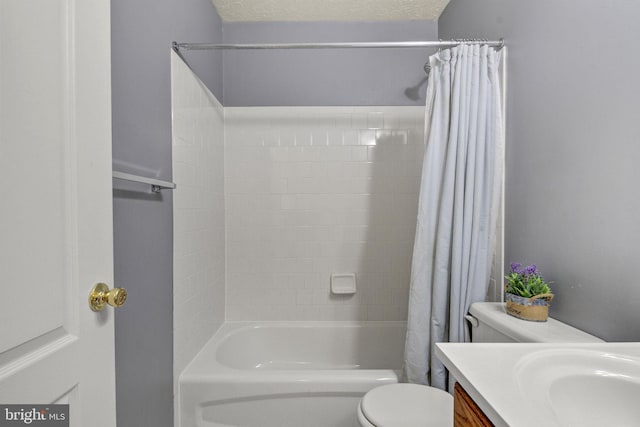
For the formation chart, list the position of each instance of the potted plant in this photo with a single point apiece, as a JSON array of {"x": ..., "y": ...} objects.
[{"x": 527, "y": 294}]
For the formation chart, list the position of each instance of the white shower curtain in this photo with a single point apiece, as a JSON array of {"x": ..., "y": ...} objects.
[{"x": 458, "y": 208}]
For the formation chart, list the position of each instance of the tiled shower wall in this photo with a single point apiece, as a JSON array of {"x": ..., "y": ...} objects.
[
  {"x": 199, "y": 231},
  {"x": 312, "y": 191}
]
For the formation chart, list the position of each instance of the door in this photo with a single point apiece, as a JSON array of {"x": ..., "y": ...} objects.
[{"x": 55, "y": 207}]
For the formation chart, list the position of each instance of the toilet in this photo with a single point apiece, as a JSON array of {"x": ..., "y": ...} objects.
[
  {"x": 406, "y": 405},
  {"x": 412, "y": 405}
]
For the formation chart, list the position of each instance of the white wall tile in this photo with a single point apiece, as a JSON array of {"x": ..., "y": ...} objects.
[
  {"x": 359, "y": 119},
  {"x": 350, "y": 137},
  {"x": 199, "y": 222},
  {"x": 317, "y": 203},
  {"x": 375, "y": 120}
]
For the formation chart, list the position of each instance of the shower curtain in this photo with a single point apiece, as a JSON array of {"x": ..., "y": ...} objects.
[{"x": 458, "y": 208}]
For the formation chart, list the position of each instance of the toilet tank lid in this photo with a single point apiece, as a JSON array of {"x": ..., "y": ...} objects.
[{"x": 494, "y": 315}]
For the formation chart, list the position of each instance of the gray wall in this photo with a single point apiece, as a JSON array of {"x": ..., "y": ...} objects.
[
  {"x": 325, "y": 77},
  {"x": 142, "y": 32},
  {"x": 573, "y": 147}
]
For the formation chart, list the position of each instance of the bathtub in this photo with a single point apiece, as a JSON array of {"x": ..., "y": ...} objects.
[{"x": 289, "y": 374}]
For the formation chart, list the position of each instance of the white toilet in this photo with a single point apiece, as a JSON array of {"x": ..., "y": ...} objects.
[
  {"x": 411, "y": 405},
  {"x": 406, "y": 405}
]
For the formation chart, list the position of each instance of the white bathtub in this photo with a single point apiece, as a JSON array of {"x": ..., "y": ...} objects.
[{"x": 294, "y": 374}]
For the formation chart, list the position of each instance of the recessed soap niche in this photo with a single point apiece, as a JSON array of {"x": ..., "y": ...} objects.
[{"x": 343, "y": 283}]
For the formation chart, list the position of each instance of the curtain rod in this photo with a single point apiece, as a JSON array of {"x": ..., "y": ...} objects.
[{"x": 408, "y": 44}]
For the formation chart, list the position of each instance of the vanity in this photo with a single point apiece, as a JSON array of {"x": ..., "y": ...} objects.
[
  {"x": 544, "y": 384},
  {"x": 466, "y": 413}
]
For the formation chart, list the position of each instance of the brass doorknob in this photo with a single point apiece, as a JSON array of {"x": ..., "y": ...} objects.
[{"x": 100, "y": 296}]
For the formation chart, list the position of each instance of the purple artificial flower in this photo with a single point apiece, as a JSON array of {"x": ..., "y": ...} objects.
[
  {"x": 515, "y": 267},
  {"x": 531, "y": 270}
]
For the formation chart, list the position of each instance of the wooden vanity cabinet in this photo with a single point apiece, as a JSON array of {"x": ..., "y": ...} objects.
[{"x": 465, "y": 411}]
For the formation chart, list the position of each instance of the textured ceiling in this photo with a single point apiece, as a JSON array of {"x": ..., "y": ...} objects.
[{"x": 329, "y": 10}]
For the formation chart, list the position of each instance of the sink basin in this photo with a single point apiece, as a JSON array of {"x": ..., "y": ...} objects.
[{"x": 579, "y": 387}]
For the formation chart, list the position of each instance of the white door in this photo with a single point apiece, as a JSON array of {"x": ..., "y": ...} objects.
[{"x": 55, "y": 206}]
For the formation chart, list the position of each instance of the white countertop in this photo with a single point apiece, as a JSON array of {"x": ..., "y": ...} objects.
[{"x": 488, "y": 374}]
